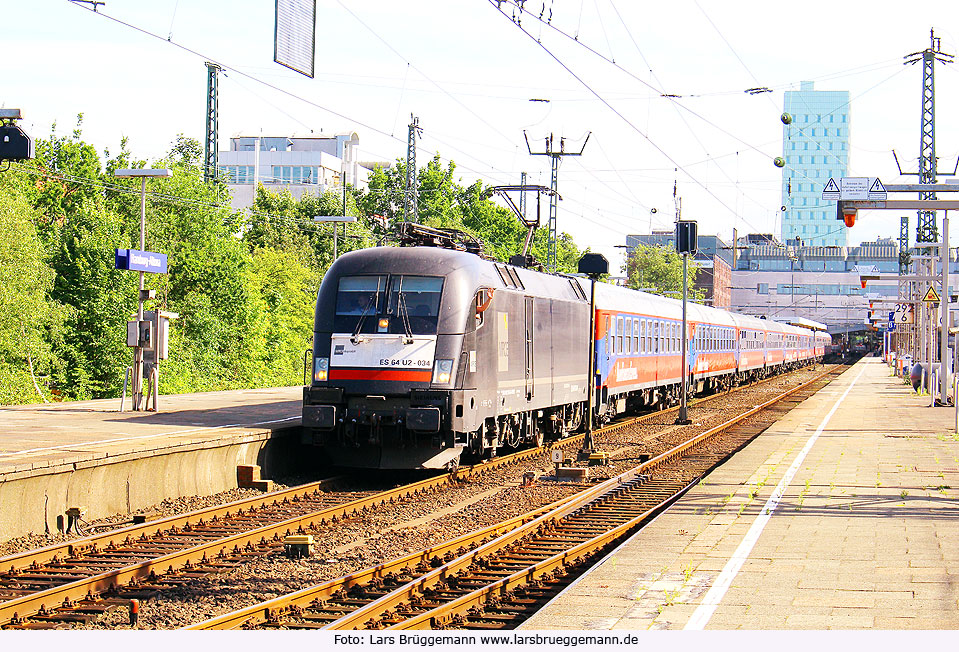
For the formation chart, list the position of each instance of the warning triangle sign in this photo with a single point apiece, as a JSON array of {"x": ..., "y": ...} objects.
[
  {"x": 877, "y": 186},
  {"x": 931, "y": 295},
  {"x": 832, "y": 186}
]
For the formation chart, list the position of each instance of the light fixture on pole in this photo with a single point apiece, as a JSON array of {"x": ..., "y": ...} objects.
[
  {"x": 143, "y": 175},
  {"x": 335, "y": 219}
]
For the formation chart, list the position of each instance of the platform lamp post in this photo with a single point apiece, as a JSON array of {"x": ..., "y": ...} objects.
[
  {"x": 685, "y": 245},
  {"x": 143, "y": 175},
  {"x": 335, "y": 219}
]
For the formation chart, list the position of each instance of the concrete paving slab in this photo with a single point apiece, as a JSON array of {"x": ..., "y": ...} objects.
[
  {"x": 864, "y": 535},
  {"x": 54, "y": 456}
]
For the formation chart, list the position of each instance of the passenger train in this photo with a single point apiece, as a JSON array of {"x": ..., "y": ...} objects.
[{"x": 422, "y": 354}]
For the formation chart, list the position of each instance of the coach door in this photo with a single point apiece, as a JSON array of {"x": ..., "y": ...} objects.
[{"x": 529, "y": 348}]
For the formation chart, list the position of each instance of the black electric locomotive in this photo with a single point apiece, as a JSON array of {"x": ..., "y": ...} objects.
[{"x": 422, "y": 353}]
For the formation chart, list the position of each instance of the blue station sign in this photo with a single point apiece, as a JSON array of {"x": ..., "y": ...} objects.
[{"x": 141, "y": 261}]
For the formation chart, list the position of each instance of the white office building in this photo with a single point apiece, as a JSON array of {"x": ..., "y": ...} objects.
[{"x": 305, "y": 164}]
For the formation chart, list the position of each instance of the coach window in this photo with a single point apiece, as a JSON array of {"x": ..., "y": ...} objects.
[
  {"x": 629, "y": 335},
  {"x": 619, "y": 334},
  {"x": 608, "y": 337},
  {"x": 635, "y": 336},
  {"x": 642, "y": 336}
]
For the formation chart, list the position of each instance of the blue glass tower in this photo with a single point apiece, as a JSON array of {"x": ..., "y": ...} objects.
[{"x": 816, "y": 148}]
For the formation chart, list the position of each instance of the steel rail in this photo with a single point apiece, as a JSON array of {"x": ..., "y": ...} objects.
[
  {"x": 24, "y": 606},
  {"x": 272, "y": 609},
  {"x": 21, "y": 560},
  {"x": 374, "y": 611},
  {"x": 47, "y": 554},
  {"x": 27, "y": 605},
  {"x": 276, "y": 607}
]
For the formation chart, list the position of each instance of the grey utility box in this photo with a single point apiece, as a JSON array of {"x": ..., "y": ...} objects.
[{"x": 152, "y": 334}]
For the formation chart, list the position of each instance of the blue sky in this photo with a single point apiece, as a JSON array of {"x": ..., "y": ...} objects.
[{"x": 469, "y": 73}]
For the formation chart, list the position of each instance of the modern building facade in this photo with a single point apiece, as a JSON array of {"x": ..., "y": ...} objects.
[
  {"x": 816, "y": 148},
  {"x": 785, "y": 282},
  {"x": 304, "y": 164}
]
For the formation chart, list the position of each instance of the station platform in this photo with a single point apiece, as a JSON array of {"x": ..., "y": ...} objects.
[
  {"x": 60, "y": 455},
  {"x": 842, "y": 515}
]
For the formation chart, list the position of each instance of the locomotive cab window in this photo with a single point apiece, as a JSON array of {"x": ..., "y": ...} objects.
[
  {"x": 358, "y": 300},
  {"x": 409, "y": 306},
  {"x": 414, "y": 304}
]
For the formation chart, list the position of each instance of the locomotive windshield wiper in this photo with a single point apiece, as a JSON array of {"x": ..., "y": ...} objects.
[
  {"x": 359, "y": 324},
  {"x": 404, "y": 313}
]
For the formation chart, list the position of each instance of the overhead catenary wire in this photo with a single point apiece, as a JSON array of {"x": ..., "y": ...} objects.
[
  {"x": 622, "y": 117},
  {"x": 267, "y": 84},
  {"x": 673, "y": 99}
]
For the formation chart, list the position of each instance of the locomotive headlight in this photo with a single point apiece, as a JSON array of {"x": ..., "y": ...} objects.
[
  {"x": 441, "y": 371},
  {"x": 321, "y": 369},
  {"x": 383, "y": 325}
]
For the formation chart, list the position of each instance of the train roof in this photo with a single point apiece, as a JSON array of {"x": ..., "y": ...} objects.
[{"x": 465, "y": 270}]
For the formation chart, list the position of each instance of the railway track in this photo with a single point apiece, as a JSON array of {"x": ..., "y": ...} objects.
[
  {"x": 498, "y": 576},
  {"x": 78, "y": 581}
]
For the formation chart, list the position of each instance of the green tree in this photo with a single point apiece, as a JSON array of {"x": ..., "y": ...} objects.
[
  {"x": 28, "y": 317},
  {"x": 80, "y": 232},
  {"x": 445, "y": 203},
  {"x": 279, "y": 221},
  {"x": 659, "y": 270}
]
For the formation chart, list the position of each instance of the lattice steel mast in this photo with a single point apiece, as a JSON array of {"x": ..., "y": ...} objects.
[
  {"x": 555, "y": 156},
  {"x": 410, "y": 206},
  {"x": 926, "y": 228},
  {"x": 212, "y": 122}
]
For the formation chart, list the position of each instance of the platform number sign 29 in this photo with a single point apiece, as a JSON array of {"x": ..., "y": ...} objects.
[{"x": 903, "y": 313}]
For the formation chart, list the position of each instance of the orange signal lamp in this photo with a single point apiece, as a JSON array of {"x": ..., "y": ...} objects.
[
  {"x": 862, "y": 281},
  {"x": 849, "y": 216}
]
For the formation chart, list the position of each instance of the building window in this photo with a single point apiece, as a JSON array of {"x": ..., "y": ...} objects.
[
  {"x": 296, "y": 174},
  {"x": 237, "y": 174}
]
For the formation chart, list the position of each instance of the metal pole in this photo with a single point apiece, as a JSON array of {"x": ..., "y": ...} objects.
[
  {"x": 931, "y": 336},
  {"x": 683, "y": 418},
  {"x": 944, "y": 312},
  {"x": 591, "y": 382},
  {"x": 138, "y": 350}
]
